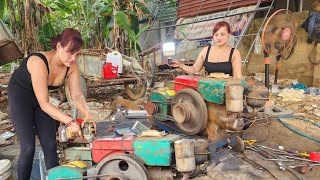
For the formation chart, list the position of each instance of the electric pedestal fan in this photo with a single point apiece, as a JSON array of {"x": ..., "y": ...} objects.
[{"x": 279, "y": 39}]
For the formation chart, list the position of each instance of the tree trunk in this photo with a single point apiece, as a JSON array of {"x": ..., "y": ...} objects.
[
  {"x": 116, "y": 29},
  {"x": 12, "y": 17},
  {"x": 22, "y": 33}
]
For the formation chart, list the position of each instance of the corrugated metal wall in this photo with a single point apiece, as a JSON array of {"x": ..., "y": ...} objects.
[
  {"x": 190, "y": 8},
  {"x": 166, "y": 11}
]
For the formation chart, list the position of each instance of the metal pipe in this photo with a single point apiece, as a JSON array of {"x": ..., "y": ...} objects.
[
  {"x": 229, "y": 15},
  {"x": 300, "y": 5},
  {"x": 247, "y": 24}
]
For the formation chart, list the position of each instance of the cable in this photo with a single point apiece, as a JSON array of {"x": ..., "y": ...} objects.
[{"x": 298, "y": 132}]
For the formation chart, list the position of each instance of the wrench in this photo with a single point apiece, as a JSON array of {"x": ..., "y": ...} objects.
[
  {"x": 299, "y": 176},
  {"x": 283, "y": 167}
]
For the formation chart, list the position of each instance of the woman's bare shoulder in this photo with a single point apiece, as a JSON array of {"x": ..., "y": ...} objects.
[{"x": 236, "y": 51}]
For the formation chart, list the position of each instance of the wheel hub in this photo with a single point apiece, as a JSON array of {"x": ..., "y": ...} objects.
[
  {"x": 150, "y": 107},
  {"x": 190, "y": 111},
  {"x": 182, "y": 112}
]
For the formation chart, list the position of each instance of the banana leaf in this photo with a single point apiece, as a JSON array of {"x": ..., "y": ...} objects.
[{"x": 45, "y": 33}]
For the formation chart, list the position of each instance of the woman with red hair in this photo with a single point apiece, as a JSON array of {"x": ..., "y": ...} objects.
[
  {"x": 221, "y": 57},
  {"x": 30, "y": 110}
]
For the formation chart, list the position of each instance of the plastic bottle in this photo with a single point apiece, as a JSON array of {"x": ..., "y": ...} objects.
[
  {"x": 258, "y": 45},
  {"x": 116, "y": 59}
]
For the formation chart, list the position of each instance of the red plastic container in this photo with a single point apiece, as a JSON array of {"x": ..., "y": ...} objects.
[
  {"x": 106, "y": 146},
  {"x": 315, "y": 156},
  {"x": 186, "y": 81},
  {"x": 109, "y": 71}
]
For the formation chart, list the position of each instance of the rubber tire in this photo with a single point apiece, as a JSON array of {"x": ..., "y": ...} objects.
[
  {"x": 150, "y": 69},
  {"x": 84, "y": 89}
]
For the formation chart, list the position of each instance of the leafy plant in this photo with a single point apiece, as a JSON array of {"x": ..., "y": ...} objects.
[
  {"x": 45, "y": 33},
  {"x": 123, "y": 22},
  {"x": 2, "y": 8}
]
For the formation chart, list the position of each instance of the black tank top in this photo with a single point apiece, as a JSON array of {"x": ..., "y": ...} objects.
[
  {"x": 23, "y": 77},
  {"x": 221, "y": 67}
]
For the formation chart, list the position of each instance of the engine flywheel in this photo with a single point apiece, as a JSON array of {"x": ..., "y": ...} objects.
[
  {"x": 189, "y": 111},
  {"x": 124, "y": 165}
]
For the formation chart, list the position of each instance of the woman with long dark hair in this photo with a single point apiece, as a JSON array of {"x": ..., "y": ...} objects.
[{"x": 30, "y": 110}]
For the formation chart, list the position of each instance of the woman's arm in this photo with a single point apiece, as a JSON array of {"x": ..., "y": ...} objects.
[
  {"x": 197, "y": 66},
  {"x": 78, "y": 99},
  {"x": 237, "y": 65},
  {"x": 39, "y": 77}
]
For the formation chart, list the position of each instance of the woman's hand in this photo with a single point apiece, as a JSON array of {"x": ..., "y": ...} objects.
[
  {"x": 175, "y": 63},
  {"x": 74, "y": 129},
  {"x": 89, "y": 118}
]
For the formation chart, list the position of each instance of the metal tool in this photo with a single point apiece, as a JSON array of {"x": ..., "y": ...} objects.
[
  {"x": 284, "y": 167},
  {"x": 303, "y": 154},
  {"x": 250, "y": 142},
  {"x": 301, "y": 159},
  {"x": 284, "y": 160},
  {"x": 301, "y": 165},
  {"x": 299, "y": 176}
]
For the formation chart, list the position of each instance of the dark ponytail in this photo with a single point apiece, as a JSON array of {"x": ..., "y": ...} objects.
[{"x": 54, "y": 41}]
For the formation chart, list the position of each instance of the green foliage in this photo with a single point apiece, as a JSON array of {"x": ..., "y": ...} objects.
[
  {"x": 2, "y": 8},
  {"x": 92, "y": 18},
  {"x": 123, "y": 22},
  {"x": 44, "y": 35}
]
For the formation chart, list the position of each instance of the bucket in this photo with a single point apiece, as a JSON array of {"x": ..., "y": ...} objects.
[
  {"x": 110, "y": 71},
  {"x": 5, "y": 169},
  {"x": 116, "y": 59}
]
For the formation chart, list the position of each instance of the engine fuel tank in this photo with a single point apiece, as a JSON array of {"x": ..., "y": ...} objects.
[{"x": 212, "y": 89}]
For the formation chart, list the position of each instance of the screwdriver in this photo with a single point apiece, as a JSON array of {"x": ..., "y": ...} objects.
[{"x": 303, "y": 154}]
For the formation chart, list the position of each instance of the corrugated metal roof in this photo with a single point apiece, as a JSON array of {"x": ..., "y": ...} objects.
[
  {"x": 190, "y": 8},
  {"x": 164, "y": 10}
]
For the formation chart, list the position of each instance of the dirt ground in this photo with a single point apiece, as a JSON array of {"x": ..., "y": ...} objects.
[{"x": 272, "y": 134}]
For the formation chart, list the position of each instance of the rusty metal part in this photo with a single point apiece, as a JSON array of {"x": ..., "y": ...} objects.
[
  {"x": 111, "y": 82},
  {"x": 240, "y": 146},
  {"x": 150, "y": 107},
  {"x": 256, "y": 96},
  {"x": 304, "y": 169},
  {"x": 88, "y": 131},
  {"x": 124, "y": 103},
  {"x": 229, "y": 119},
  {"x": 214, "y": 124},
  {"x": 190, "y": 110},
  {"x": 201, "y": 150},
  {"x": 182, "y": 112},
  {"x": 160, "y": 173},
  {"x": 122, "y": 164},
  {"x": 136, "y": 90}
]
